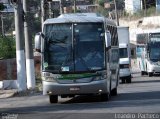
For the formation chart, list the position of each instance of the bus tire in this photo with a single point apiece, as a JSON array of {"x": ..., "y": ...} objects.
[
  {"x": 142, "y": 73},
  {"x": 123, "y": 81},
  {"x": 128, "y": 80},
  {"x": 114, "y": 92},
  {"x": 53, "y": 98},
  {"x": 150, "y": 74},
  {"x": 105, "y": 96}
]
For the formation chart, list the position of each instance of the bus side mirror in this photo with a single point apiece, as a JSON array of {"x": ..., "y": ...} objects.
[
  {"x": 37, "y": 41},
  {"x": 108, "y": 39}
]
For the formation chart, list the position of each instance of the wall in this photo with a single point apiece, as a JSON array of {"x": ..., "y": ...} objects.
[{"x": 8, "y": 68}]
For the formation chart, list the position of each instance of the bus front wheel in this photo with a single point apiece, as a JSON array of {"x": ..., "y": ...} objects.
[
  {"x": 53, "y": 98},
  {"x": 123, "y": 81},
  {"x": 128, "y": 80},
  {"x": 142, "y": 73},
  {"x": 150, "y": 74},
  {"x": 105, "y": 96},
  {"x": 114, "y": 92}
]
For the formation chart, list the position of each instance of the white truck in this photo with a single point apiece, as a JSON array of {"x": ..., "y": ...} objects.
[{"x": 124, "y": 54}]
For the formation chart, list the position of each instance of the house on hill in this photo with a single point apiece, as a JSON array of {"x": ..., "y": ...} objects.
[{"x": 132, "y": 6}]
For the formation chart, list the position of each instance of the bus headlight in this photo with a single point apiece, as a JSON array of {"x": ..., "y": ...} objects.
[
  {"x": 97, "y": 78},
  {"x": 49, "y": 79},
  {"x": 152, "y": 63}
]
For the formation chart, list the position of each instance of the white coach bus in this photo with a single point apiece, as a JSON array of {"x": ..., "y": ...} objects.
[
  {"x": 80, "y": 56},
  {"x": 148, "y": 51}
]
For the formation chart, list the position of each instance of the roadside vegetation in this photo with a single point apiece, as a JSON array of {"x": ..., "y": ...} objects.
[
  {"x": 7, "y": 47},
  {"x": 140, "y": 14}
]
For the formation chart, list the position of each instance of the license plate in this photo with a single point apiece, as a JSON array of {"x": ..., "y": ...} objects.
[{"x": 74, "y": 89}]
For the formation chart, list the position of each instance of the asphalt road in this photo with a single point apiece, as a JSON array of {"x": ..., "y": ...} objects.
[{"x": 140, "y": 99}]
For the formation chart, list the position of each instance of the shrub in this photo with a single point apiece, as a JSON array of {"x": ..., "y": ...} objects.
[{"x": 7, "y": 48}]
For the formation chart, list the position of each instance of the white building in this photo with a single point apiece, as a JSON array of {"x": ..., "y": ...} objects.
[
  {"x": 132, "y": 6},
  {"x": 9, "y": 8}
]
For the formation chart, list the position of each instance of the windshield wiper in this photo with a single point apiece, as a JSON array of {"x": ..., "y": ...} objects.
[
  {"x": 56, "y": 40},
  {"x": 56, "y": 43},
  {"x": 51, "y": 71}
]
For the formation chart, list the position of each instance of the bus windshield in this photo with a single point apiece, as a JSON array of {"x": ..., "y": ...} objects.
[
  {"x": 74, "y": 47},
  {"x": 123, "y": 53},
  {"x": 154, "y": 51},
  {"x": 154, "y": 47}
]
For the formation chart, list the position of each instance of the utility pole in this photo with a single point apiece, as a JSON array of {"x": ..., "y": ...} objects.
[
  {"x": 116, "y": 14},
  {"x": 75, "y": 8},
  {"x": 30, "y": 70},
  {"x": 43, "y": 11},
  {"x": 2, "y": 22},
  {"x": 61, "y": 6},
  {"x": 145, "y": 8},
  {"x": 20, "y": 56},
  {"x": 50, "y": 9}
]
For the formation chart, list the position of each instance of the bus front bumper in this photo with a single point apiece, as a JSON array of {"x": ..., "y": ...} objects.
[
  {"x": 154, "y": 69},
  {"x": 94, "y": 87},
  {"x": 124, "y": 72}
]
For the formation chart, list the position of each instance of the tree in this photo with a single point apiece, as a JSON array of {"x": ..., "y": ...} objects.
[
  {"x": 34, "y": 8},
  {"x": 120, "y": 4},
  {"x": 2, "y": 7},
  {"x": 101, "y": 2},
  {"x": 7, "y": 48}
]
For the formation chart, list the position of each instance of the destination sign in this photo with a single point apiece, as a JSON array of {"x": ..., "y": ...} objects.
[
  {"x": 155, "y": 37},
  {"x": 154, "y": 34}
]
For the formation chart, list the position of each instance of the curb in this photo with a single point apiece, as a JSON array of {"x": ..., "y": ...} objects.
[
  {"x": 14, "y": 93},
  {"x": 8, "y": 84},
  {"x": 7, "y": 93},
  {"x": 1, "y": 84}
]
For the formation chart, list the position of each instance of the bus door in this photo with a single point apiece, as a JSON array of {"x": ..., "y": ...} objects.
[
  {"x": 141, "y": 57},
  {"x": 114, "y": 65}
]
